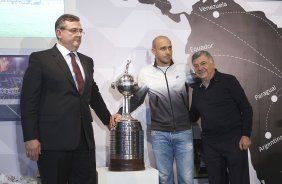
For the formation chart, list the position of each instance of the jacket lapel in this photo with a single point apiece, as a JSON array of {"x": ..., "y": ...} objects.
[{"x": 60, "y": 60}]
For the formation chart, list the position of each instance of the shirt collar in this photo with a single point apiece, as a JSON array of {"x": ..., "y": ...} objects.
[
  {"x": 215, "y": 78},
  {"x": 155, "y": 63},
  {"x": 64, "y": 51}
]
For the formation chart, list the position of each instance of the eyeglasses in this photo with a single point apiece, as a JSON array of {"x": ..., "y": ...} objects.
[{"x": 74, "y": 31}]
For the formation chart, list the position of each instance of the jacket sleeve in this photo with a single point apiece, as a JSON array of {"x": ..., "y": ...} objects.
[
  {"x": 193, "y": 112},
  {"x": 138, "y": 98},
  {"x": 30, "y": 98},
  {"x": 97, "y": 103},
  {"x": 243, "y": 104}
]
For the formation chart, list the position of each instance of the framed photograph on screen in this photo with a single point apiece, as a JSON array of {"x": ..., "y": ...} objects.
[{"x": 12, "y": 69}]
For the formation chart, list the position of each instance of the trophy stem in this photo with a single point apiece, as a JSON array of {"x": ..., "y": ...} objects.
[{"x": 126, "y": 108}]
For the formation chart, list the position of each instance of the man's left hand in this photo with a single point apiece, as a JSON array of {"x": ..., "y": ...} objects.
[{"x": 245, "y": 143}]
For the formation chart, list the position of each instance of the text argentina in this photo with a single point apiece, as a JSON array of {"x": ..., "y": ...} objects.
[{"x": 268, "y": 145}]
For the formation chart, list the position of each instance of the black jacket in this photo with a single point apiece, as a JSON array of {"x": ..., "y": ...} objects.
[
  {"x": 223, "y": 107},
  {"x": 51, "y": 107}
]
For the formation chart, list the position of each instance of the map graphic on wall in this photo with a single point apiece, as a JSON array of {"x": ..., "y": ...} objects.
[
  {"x": 247, "y": 45},
  {"x": 12, "y": 69}
]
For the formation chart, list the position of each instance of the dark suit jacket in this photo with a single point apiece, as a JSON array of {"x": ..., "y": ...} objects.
[{"x": 51, "y": 107}]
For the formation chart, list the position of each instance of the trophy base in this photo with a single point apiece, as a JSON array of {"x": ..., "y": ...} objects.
[
  {"x": 127, "y": 146},
  {"x": 126, "y": 165}
]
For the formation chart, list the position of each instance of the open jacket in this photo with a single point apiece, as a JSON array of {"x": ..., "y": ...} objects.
[{"x": 168, "y": 99}]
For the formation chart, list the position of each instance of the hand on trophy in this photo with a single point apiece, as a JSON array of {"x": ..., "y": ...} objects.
[{"x": 113, "y": 121}]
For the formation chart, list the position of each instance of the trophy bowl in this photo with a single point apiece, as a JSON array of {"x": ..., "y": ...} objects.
[{"x": 126, "y": 85}]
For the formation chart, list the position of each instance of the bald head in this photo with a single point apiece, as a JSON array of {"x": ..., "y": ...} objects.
[
  {"x": 158, "y": 39},
  {"x": 162, "y": 49}
]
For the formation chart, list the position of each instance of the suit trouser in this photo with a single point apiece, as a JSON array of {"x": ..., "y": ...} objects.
[
  {"x": 225, "y": 161},
  {"x": 72, "y": 167}
]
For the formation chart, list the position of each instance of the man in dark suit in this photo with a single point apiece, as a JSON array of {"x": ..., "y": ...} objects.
[{"x": 56, "y": 117}]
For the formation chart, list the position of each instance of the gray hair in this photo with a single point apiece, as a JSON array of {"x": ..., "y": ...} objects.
[{"x": 200, "y": 53}]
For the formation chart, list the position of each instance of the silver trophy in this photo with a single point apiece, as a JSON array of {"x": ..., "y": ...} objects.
[{"x": 127, "y": 137}]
